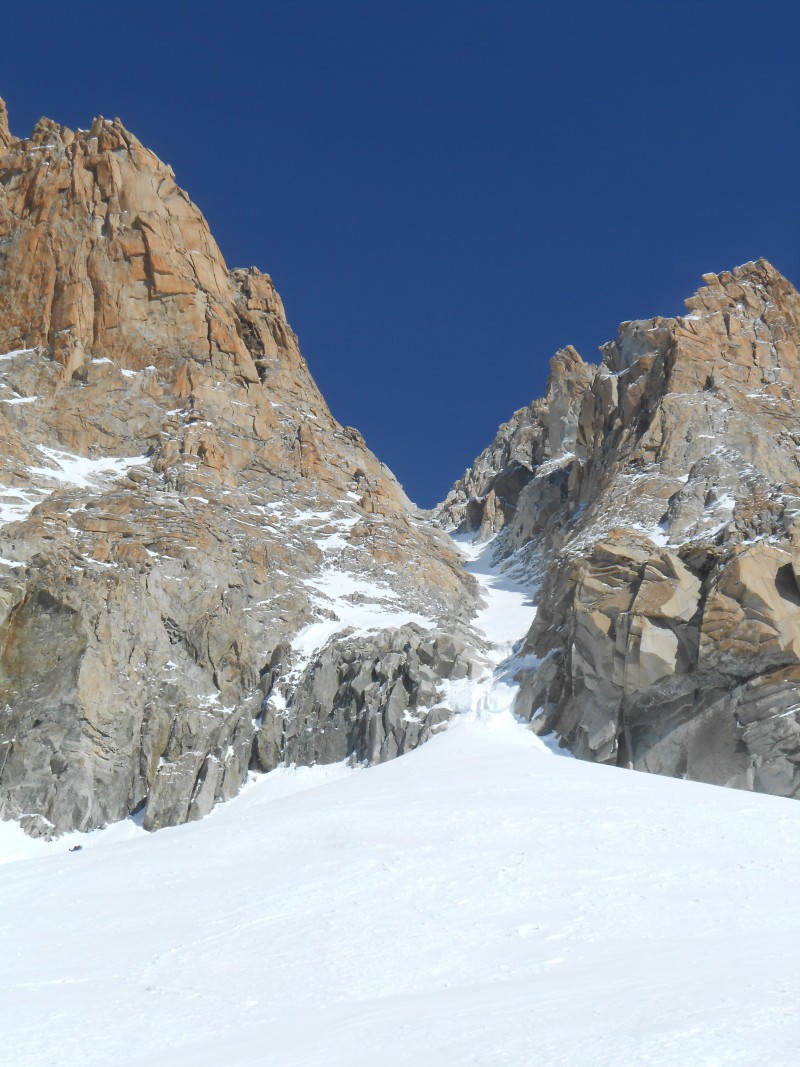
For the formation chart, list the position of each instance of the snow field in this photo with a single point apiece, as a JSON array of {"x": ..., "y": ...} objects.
[{"x": 476, "y": 902}]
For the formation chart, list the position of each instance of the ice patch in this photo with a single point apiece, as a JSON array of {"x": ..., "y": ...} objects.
[
  {"x": 726, "y": 501},
  {"x": 17, "y": 504}
]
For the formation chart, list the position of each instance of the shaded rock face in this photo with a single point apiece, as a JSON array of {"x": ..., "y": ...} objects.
[
  {"x": 669, "y": 615},
  {"x": 175, "y": 496},
  {"x": 536, "y": 439},
  {"x": 370, "y": 699}
]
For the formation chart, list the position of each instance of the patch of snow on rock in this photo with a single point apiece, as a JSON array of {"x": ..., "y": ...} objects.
[{"x": 82, "y": 471}]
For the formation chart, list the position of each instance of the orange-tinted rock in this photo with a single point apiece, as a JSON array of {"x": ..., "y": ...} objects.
[{"x": 169, "y": 474}]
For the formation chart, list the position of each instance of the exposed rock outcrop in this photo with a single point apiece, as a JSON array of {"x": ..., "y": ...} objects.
[
  {"x": 536, "y": 438},
  {"x": 669, "y": 616},
  {"x": 372, "y": 698},
  {"x": 175, "y": 496}
]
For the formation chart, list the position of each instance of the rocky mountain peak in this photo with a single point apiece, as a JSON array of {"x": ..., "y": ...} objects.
[
  {"x": 183, "y": 524},
  {"x": 659, "y": 503},
  {"x": 664, "y": 388},
  {"x": 486, "y": 498},
  {"x": 125, "y": 264}
]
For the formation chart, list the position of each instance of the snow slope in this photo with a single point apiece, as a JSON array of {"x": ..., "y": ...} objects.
[{"x": 477, "y": 902}]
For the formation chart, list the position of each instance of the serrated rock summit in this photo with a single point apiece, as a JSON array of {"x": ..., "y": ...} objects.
[{"x": 658, "y": 495}]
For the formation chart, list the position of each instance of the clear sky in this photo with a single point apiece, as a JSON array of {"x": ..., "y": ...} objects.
[{"x": 445, "y": 193}]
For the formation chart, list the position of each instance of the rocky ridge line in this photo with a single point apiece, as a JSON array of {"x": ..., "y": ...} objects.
[{"x": 660, "y": 498}]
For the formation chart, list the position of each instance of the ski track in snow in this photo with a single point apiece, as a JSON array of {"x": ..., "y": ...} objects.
[{"x": 476, "y": 902}]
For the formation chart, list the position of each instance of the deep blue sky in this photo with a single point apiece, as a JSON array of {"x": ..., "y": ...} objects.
[{"x": 447, "y": 192}]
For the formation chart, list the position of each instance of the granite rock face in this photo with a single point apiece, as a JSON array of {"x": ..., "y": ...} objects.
[
  {"x": 176, "y": 500},
  {"x": 665, "y": 520},
  {"x": 371, "y": 699},
  {"x": 539, "y": 437}
]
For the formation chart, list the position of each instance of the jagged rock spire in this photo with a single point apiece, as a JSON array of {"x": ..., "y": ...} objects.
[{"x": 5, "y": 135}]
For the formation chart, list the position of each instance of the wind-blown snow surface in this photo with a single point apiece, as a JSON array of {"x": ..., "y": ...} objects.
[{"x": 477, "y": 902}]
